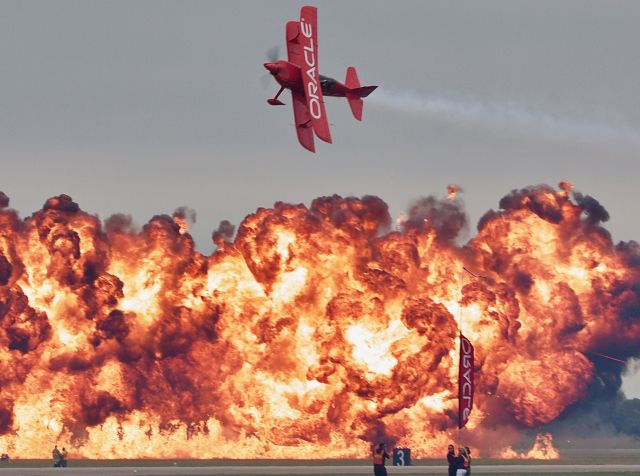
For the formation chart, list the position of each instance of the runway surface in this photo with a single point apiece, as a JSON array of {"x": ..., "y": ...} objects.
[{"x": 253, "y": 470}]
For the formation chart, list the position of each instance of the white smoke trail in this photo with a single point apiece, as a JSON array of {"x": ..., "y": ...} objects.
[{"x": 509, "y": 116}]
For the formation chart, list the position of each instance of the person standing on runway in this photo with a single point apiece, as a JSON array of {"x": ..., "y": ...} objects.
[
  {"x": 463, "y": 462},
  {"x": 379, "y": 455},
  {"x": 452, "y": 460}
]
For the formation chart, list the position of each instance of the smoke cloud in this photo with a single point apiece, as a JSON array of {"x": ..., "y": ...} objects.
[{"x": 508, "y": 116}]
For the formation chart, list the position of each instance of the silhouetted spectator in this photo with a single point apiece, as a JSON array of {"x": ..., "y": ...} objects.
[{"x": 57, "y": 456}]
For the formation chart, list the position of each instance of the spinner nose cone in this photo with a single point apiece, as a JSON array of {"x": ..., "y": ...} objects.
[{"x": 271, "y": 67}]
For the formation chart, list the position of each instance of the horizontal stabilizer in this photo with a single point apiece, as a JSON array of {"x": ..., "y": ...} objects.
[
  {"x": 356, "y": 104},
  {"x": 363, "y": 92}
]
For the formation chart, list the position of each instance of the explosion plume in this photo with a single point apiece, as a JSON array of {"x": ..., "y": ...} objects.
[{"x": 315, "y": 328}]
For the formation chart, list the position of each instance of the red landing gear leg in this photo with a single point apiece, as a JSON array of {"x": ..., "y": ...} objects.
[{"x": 274, "y": 101}]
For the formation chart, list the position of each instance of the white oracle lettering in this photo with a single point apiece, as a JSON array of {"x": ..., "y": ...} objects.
[
  {"x": 306, "y": 29},
  {"x": 312, "y": 90},
  {"x": 314, "y": 108},
  {"x": 465, "y": 413},
  {"x": 311, "y": 72},
  {"x": 466, "y": 346},
  {"x": 467, "y": 376},
  {"x": 312, "y": 61}
]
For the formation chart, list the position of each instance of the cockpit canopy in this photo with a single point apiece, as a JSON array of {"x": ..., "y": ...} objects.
[{"x": 327, "y": 83}]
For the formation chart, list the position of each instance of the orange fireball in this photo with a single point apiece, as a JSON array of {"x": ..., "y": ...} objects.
[{"x": 314, "y": 332}]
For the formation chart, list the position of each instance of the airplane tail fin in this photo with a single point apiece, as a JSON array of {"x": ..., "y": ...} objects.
[
  {"x": 356, "y": 92},
  {"x": 352, "y": 81}
]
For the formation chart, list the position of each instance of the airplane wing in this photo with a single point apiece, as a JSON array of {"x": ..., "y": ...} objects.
[
  {"x": 308, "y": 50},
  {"x": 303, "y": 123},
  {"x": 302, "y": 119},
  {"x": 294, "y": 50}
]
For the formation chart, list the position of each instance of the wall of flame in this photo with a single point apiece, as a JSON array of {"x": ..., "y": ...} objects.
[{"x": 313, "y": 333}]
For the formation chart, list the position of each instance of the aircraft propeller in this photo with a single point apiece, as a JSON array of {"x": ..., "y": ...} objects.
[{"x": 272, "y": 55}]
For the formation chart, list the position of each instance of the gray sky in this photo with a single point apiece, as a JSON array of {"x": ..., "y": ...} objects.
[{"x": 141, "y": 107}]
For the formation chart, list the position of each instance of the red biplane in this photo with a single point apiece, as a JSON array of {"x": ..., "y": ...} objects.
[{"x": 300, "y": 75}]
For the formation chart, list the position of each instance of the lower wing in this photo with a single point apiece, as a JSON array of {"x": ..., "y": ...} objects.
[{"x": 302, "y": 119}]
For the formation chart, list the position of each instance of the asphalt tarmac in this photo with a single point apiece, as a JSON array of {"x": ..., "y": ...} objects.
[{"x": 253, "y": 470}]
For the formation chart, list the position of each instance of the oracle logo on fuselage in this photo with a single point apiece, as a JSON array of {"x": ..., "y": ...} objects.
[{"x": 312, "y": 86}]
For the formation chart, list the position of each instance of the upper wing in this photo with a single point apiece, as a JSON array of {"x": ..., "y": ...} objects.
[
  {"x": 302, "y": 121},
  {"x": 294, "y": 50},
  {"x": 301, "y": 115},
  {"x": 308, "y": 52}
]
